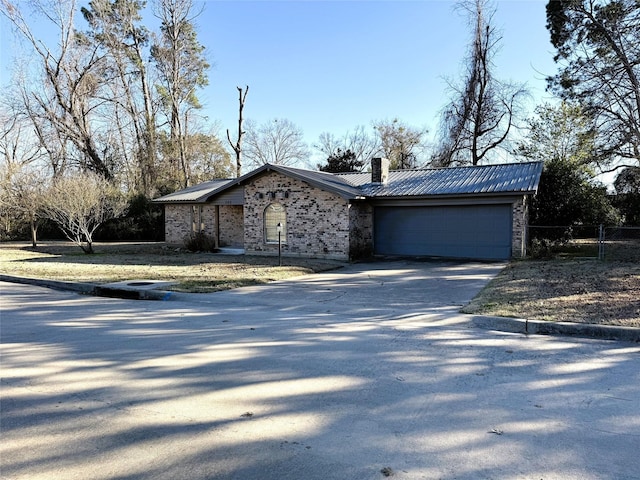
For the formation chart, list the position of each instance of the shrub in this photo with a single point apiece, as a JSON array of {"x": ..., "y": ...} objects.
[
  {"x": 143, "y": 221},
  {"x": 200, "y": 242}
]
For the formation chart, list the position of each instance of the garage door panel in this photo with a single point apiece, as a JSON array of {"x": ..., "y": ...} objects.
[{"x": 474, "y": 231}]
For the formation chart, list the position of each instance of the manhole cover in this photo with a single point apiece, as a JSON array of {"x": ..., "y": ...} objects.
[{"x": 139, "y": 284}]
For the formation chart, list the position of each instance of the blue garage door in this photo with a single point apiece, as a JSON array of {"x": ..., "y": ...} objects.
[{"x": 473, "y": 231}]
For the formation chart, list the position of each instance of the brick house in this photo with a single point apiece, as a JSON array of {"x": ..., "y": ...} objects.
[{"x": 477, "y": 212}]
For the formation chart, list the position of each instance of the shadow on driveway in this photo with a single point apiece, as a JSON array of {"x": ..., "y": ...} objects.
[{"x": 338, "y": 377}]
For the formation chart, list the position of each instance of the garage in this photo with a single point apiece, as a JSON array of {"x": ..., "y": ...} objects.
[{"x": 454, "y": 231}]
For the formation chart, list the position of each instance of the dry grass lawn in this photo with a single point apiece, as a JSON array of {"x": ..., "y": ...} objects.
[
  {"x": 193, "y": 272},
  {"x": 568, "y": 290},
  {"x": 573, "y": 290}
]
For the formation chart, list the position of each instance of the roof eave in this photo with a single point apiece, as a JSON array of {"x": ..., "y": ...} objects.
[
  {"x": 323, "y": 186},
  {"x": 451, "y": 195}
]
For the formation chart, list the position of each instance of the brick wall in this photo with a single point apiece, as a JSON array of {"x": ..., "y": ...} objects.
[
  {"x": 317, "y": 221},
  {"x": 231, "y": 226},
  {"x": 519, "y": 223},
  {"x": 178, "y": 223},
  {"x": 361, "y": 237}
]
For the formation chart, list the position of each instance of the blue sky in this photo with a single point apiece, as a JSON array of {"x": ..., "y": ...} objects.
[{"x": 334, "y": 65}]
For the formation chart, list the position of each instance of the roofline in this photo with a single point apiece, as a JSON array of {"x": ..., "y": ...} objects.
[
  {"x": 512, "y": 193},
  {"x": 201, "y": 199},
  {"x": 293, "y": 172},
  {"x": 486, "y": 165}
]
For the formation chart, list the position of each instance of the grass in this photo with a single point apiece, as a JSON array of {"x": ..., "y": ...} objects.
[
  {"x": 565, "y": 289},
  {"x": 113, "y": 262}
]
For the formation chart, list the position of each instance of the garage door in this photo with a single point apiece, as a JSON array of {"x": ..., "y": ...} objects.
[{"x": 474, "y": 231}]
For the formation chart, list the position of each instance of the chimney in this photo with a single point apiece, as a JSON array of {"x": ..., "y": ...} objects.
[{"x": 379, "y": 170}]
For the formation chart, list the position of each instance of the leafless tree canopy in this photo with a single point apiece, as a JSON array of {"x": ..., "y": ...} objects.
[
  {"x": 483, "y": 110},
  {"x": 278, "y": 142},
  {"x": 363, "y": 145},
  {"x": 79, "y": 204},
  {"x": 402, "y": 144},
  {"x": 110, "y": 96}
]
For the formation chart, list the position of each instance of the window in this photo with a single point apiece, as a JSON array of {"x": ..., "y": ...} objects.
[{"x": 274, "y": 214}]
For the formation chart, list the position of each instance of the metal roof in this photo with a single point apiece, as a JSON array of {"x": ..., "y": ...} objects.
[
  {"x": 520, "y": 178},
  {"x": 195, "y": 194},
  {"x": 486, "y": 179}
]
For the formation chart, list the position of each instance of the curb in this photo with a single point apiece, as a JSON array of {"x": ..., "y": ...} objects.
[
  {"x": 540, "y": 327},
  {"x": 91, "y": 288},
  {"x": 503, "y": 324}
]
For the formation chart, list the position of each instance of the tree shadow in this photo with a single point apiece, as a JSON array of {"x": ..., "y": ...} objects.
[{"x": 306, "y": 381}]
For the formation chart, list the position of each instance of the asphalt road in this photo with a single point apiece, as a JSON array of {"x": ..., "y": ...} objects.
[{"x": 355, "y": 374}]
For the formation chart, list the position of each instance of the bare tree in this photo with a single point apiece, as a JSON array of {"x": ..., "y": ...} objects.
[
  {"x": 363, "y": 146},
  {"x": 482, "y": 113},
  {"x": 277, "y": 141},
  {"x": 22, "y": 177},
  {"x": 400, "y": 143},
  {"x": 79, "y": 204},
  {"x": 237, "y": 146},
  {"x": 72, "y": 80}
]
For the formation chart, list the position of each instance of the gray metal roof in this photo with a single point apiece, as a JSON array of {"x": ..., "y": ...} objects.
[
  {"x": 520, "y": 178},
  {"x": 486, "y": 179},
  {"x": 195, "y": 194}
]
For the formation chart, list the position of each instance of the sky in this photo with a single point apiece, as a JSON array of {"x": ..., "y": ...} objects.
[{"x": 330, "y": 66}]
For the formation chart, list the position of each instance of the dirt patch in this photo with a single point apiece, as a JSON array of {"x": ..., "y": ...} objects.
[
  {"x": 583, "y": 291},
  {"x": 115, "y": 262}
]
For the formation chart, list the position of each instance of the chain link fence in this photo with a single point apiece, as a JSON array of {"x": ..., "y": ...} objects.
[{"x": 584, "y": 241}]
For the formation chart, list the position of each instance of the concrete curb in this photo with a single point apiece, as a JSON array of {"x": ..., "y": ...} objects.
[
  {"x": 503, "y": 324},
  {"x": 540, "y": 327},
  {"x": 91, "y": 288}
]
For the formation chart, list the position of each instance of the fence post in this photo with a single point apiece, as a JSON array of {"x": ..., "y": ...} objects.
[{"x": 601, "y": 243}]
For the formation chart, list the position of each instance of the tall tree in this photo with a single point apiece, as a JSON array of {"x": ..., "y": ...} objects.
[
  {"x": 563, "y": 132},
  {"x": 400, "y": 143},
  {"x": 482, "y": 113},
  {"x": 182, "y": 69},
  {"x": 115, "y": 26},
  {"x": 22, "y": 176},
  {"x": 598, "y": 54},
  {"x": 237, "y": 146},
  {"x": 278, "y": 141},
  {"x": 72, "y": 80}
]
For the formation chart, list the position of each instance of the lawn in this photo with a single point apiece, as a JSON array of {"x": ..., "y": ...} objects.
[
  {"x": 113, "y": 262},
  {"x": 569, "y": 289},
  {"x": 564, "y": 290}
]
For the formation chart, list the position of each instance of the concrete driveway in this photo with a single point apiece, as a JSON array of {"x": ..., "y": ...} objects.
[{"x": 360, "y": 373}]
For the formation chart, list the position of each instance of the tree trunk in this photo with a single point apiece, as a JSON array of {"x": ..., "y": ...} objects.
[
  {"x": 34, "y": 231},
  {"x": 237, "y": 147}
]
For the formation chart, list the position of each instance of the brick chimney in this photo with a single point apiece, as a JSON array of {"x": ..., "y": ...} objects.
[{"x": 379, "y": 170}]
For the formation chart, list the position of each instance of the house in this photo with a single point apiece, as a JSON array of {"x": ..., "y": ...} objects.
[{"x": 477, "y": 212}]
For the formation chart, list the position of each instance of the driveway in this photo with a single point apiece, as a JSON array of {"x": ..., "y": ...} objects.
[{"x": 359, "y": 373}]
